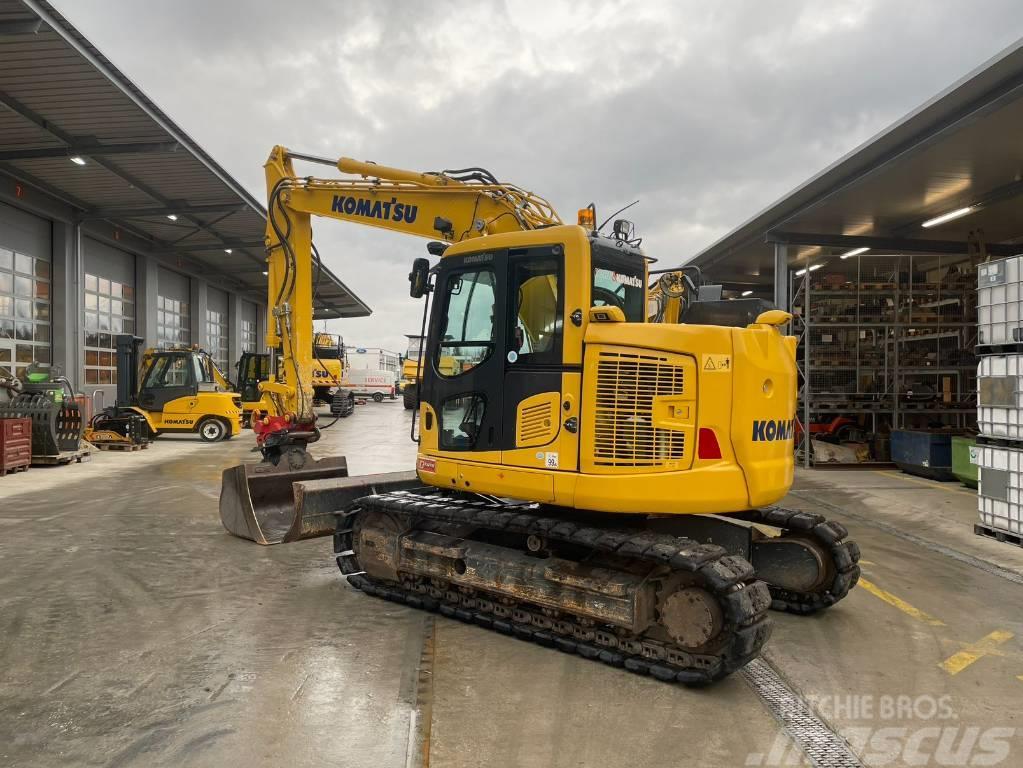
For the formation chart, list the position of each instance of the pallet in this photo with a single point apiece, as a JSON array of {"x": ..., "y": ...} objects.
[
  {"x": 1000, "y": 442},
  {"x": 63, "y": 458},
  {"x": 116, "y": 446},
  {"x": 1012, "y": 348},
  {"x": 11, "y": 470},
  {"x": 993, "y": 533}
]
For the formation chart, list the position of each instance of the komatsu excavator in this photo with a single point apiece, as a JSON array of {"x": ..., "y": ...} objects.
[{"x": 585, "y": 479}]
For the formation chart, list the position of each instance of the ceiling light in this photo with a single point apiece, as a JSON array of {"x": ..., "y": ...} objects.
[
  {"x": 811, "y": 268},
  {"x": 172, "y": 217},
  {"x": 78, "y": 160},
  {"x": 949, "y": 216},
  {"x": 854, "y": 252},
  {"x": 265, "y": 274},
  {"x": 227, "y": 250},
  {"x": 747, "y": 293}
]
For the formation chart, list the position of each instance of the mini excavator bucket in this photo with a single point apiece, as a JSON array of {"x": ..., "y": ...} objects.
[{"x": 278, "y": 505}]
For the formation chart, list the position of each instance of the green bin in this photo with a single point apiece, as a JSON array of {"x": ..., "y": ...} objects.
[{"x": 964, "y": 459}]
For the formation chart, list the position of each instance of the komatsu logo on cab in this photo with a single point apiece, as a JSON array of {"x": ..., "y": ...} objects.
[
  {"x": 765, "y": 430},
  {"x": 375, "y": 209}
]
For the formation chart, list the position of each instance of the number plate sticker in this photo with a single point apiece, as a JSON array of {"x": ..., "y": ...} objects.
[
  {"x": 550, "y": 460},
  {"x": 426, "y": 465}
]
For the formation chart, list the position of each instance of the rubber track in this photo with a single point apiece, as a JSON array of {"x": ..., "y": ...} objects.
[
  {"x": 832, "y": 536},
  {"x": 744, "y": 599}
]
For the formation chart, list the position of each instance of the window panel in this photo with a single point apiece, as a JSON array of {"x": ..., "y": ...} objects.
[
  {"x": 22, "y": 286},
  {"x": 23, "y": 309},
  {"x": 42, "y": 333},
  {"x": 23, "y": 331},
  {"x": 6, "y": 282},
  {"x": 42, "y": 268},
  {"x": 104, "y": 286},
  {"x": 6, "y": 259},
  {"x": 90, "y": 283},
  {"x": 42, "y": 290},
  {"x": 23, "y": 352},
  {"x": 6, "y": 306},
  {"x": 91, "y": 376},
  {"x": 91, "y": 357},
  {"x": 23, "y": 263}
]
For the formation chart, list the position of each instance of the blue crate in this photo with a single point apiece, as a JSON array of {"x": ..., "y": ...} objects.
[{"x": 923, "y": 453}]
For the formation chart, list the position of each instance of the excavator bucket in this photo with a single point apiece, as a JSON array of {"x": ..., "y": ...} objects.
[{"x": 278, "y": 505}]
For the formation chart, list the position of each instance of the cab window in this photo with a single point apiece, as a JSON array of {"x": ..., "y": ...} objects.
[
  {"x": 467, "y": 337},
  {"x": 619, "y": 284},
  {"x": 167, "y": 371},
  {"x": 536, "y": 310}
]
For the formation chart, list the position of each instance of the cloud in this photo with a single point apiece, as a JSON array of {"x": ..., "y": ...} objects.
[{"x": 706, "y": 112}]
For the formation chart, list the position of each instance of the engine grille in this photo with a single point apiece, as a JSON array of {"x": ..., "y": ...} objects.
[{"x": 624, "y": 434}]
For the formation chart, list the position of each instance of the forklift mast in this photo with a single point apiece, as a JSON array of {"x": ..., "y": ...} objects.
[{"x": 127, "y": 369}]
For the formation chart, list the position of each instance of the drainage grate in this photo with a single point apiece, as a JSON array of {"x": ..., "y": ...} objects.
[{"x": 822, "y": 746}]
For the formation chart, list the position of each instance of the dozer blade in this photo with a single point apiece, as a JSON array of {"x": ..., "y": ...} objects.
[{"x": 278, "y": 505}]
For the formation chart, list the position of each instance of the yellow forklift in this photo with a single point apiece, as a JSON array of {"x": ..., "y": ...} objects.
[{"x": 174, "y": 390}]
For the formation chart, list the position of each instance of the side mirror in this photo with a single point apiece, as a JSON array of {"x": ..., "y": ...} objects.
[{"x": 419, "y": 278}]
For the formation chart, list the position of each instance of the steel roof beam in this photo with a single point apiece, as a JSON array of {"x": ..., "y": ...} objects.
[
  {"x": 886, "y": 244},
  {"x": 232, "y": 244},
  {"x": 177, "y": 210},
  {"x": 26, "y": 26},
  {"x": 76, "y": 149}
]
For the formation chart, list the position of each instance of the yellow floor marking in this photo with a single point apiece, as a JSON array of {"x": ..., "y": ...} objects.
[
  {"x": 927, "y": 483},
  {"x": 986, "y": 646},
  {"x": 867, "y": 562},
  {"x": 899, "y": 603}
]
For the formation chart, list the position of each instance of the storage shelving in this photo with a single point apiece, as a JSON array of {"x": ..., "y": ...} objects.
[{"x": 886, "y": 342}]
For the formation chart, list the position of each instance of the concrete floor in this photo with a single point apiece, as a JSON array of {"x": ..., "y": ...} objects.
[{"x": 136, "y": 632}]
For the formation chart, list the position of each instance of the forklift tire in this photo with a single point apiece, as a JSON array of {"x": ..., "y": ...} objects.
[
  {"x": 212, "y": 430},
  {"x": 378, "y": 397}
]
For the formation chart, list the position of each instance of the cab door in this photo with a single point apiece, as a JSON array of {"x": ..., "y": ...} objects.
[
  {"x": 534, "y": 359},
  {"x": 464, "y": 379},
  {"x": 169, "y": 378}
]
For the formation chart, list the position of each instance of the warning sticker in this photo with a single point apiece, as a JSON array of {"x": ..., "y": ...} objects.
[
  {"x": 717, "y": 363},
  {"x": 550, "y": 460},
  {"x": 426, "y": 465}
]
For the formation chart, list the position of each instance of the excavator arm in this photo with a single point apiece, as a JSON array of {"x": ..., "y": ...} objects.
[{"x": 448, "y": 206}]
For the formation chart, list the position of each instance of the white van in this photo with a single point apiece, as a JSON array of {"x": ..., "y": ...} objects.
[{"x": 366, "y": 382}]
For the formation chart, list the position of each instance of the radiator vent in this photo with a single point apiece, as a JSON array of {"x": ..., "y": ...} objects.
[{"x": 624, "y": 433}]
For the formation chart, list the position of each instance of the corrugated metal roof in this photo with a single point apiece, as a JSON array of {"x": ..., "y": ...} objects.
[
  {"x": 958, "y": 149},
  {"x": 59, "y": 96}
]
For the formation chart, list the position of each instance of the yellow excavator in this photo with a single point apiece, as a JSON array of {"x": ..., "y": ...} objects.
[
  {"x": 254, "y": 368},
  {"x": 586, "y": 479}
]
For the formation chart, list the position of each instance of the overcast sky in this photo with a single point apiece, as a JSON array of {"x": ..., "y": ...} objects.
[{"x": 706, "y": 111}]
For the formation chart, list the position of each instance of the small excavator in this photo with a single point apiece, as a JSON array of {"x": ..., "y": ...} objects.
[
  {"x": 586, "y": 479},
  {"x": 328, "y": 373}
]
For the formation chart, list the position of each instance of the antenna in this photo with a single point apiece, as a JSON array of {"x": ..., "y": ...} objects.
[{"x": 616, "y": 213}]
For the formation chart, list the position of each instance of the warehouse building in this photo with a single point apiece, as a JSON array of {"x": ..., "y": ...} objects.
[
  {"x": 113, "y": 220},
  {"x": 875, "y": 257}
]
